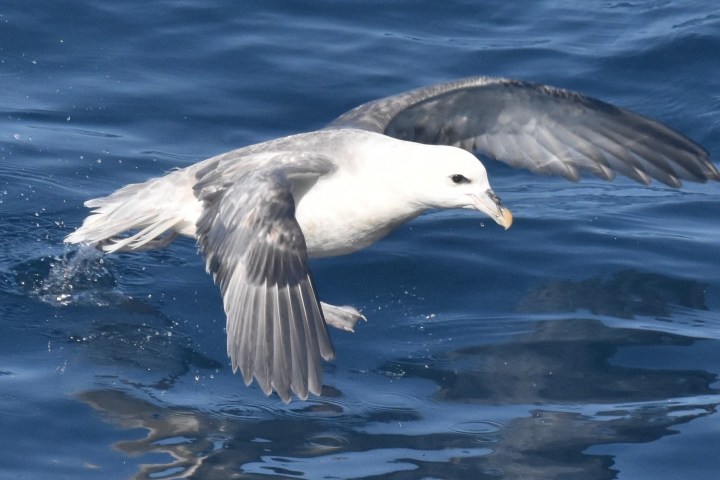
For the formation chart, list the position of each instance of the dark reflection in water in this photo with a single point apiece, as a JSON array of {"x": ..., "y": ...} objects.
[
  {"x": 295, "y": 444},
  {"x": 625, "y": 294},
  {"x": 544, "y": 444},
  {"x": 557, "y": 388},
  {"x": 552, "y": 445},
  {"x": 560, "y": 361}
]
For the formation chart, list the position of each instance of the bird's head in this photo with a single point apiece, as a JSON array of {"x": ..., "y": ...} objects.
[{"x": 454, "y": 178}]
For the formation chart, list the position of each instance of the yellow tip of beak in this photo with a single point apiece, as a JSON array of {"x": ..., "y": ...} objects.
[{"x": 507, "y": 218}]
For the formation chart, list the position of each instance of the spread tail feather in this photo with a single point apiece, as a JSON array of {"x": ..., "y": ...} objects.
[{"x": 140, "y": 216}]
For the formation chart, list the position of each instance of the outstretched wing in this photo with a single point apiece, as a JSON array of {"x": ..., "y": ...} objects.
[
  {"x": 543, "y": 129},
  {"x": 255, "y": 251}
]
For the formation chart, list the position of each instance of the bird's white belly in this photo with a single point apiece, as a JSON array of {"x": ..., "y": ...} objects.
[
  {"x": 338, "y": 218},
  {"x": 337, "y": 231}
]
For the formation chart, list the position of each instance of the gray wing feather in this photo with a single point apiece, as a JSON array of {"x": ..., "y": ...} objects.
[
  {"x": 255, "y": 251},
  {"x": 543, "y": 129}
]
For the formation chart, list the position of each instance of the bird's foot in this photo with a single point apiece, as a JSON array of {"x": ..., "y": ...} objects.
[{"x": 342, "y": 318}]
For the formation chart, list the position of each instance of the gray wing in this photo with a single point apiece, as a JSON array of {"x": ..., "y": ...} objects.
[
  {"x": 543, "y": 129},
  {"x": 255, "y": 251}
]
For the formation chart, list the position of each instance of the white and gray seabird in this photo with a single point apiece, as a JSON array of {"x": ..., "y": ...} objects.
[{"x": 258, "y": 213}]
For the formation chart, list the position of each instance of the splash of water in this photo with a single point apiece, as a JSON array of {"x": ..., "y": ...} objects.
[{"x": 76, "y": 277}]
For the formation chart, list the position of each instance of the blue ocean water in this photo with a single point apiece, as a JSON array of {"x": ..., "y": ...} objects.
[{"x": 584, "y": 342}]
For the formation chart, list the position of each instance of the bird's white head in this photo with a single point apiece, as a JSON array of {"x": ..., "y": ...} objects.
[{"x": 450, "y": 177}]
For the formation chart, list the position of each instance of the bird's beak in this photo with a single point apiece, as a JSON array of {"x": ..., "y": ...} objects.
[{"x": 490, "y": 204}]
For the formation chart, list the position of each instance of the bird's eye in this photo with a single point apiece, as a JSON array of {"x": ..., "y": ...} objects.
[{"x": 458, "y": 179}]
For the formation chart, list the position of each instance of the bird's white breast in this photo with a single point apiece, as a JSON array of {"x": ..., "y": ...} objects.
[
  {"x": 339, "y": 216},
  {"x": 356, "y": 205}
]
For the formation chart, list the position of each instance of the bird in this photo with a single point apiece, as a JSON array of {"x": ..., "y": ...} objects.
[{"x": 259, "y": 213}]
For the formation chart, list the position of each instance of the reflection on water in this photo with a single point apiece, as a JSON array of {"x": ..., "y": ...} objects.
[
  {"x": 552, "y": 444},
  {"x": 560, "y": 361},
  {"x": 529, "y": 408},
  {"x": 540, "y": 444},
  {"x": 625, "y": 294},
  {"x": 318, "y": 444}
]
